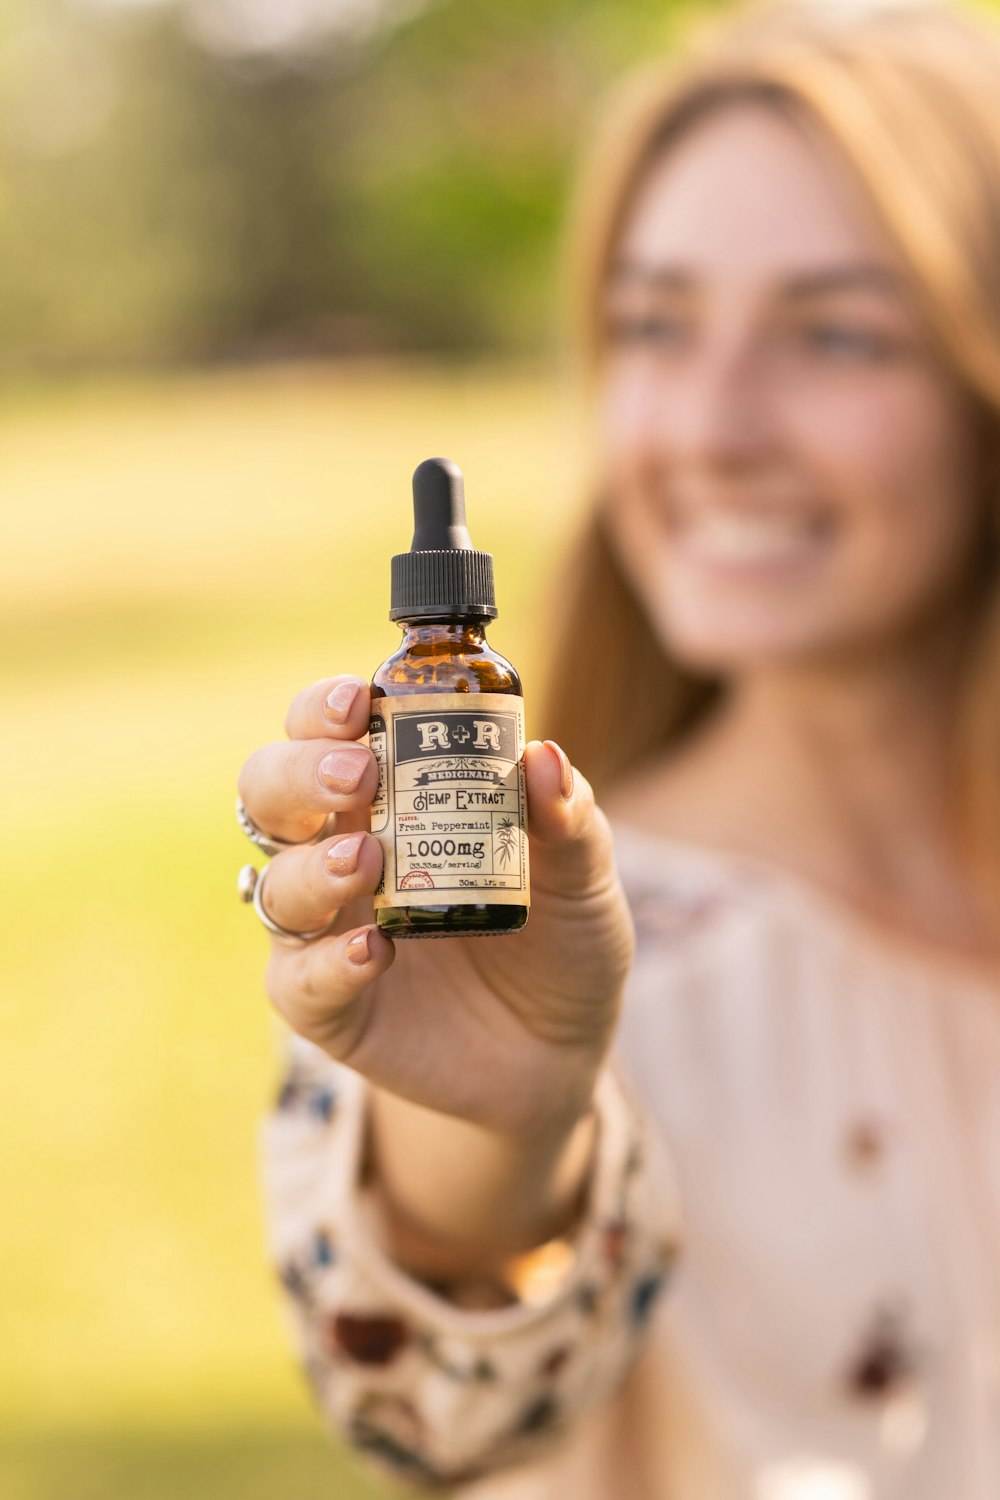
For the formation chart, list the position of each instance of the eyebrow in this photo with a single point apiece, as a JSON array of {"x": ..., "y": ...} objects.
[{"x": 805, "y": 284}]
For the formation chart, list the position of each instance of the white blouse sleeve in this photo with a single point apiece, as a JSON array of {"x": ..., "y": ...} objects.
[{"x": 439, "y": 1394}]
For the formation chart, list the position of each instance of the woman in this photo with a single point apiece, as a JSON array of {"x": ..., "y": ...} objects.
[{"x": 787, "y": 606}]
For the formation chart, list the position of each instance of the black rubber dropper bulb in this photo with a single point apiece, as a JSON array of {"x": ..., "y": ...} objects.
[
  {"x": 442, "y": 575},
  {"x": 439, "y": 507}
]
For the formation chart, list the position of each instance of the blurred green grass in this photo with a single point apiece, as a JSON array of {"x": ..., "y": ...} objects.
[
  {"x": 178, "y": 556},
  {"x": 232, "y": 1464}
]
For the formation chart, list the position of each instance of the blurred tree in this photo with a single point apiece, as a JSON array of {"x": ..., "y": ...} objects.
[{"x": 222, "y": 178}]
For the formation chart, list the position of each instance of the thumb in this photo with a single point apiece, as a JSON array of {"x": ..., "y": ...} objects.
[{"x": 571, "y": 845}]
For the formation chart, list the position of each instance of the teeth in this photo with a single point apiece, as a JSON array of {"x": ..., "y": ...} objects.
[{"x": 730, "y": 538}]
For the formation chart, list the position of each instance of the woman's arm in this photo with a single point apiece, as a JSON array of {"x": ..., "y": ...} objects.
[
  {"x": 436, "y": 1391},
  {"x": 457, "y": 1202}
]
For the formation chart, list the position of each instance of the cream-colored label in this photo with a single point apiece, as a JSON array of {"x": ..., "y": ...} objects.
[{"x": 450, "y": 811}]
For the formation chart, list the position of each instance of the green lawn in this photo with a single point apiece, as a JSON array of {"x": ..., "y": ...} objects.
[
  {"x": 294, "y": 1461},
  {"x": 178, "y": 558}
]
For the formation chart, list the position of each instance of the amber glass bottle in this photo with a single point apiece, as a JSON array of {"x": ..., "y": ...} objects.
[{"x": 447, "y": 729}]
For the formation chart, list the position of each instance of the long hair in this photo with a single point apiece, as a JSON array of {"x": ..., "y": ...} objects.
[{"x": 908, "y": 95}]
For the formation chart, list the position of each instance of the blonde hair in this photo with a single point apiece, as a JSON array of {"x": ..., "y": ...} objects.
[{"x": 908, "y": 94}]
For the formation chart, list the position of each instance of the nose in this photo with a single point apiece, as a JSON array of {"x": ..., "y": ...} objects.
[{"x": 717, "y": 411}]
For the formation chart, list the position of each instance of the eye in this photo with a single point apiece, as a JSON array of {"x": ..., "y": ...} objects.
[
  {"x": 657, "y": 329},
  {"x": 847, "y": 341}
]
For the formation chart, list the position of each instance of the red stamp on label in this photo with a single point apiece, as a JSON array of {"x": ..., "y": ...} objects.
[{"x": 416, "y": 880}]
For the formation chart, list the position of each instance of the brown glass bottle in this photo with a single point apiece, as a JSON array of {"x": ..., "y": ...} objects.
[
  {"x": 446, "y": 656},
  {"x": 447, "y": 730}
]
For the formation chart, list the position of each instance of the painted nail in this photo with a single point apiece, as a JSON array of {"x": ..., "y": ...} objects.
[
  {"x": 357, "y": 948},
  {"x": 342, "y": 857},
  {"x": 340, "y": 701},
  {"x": 343, "y": 769},
  {"x": 565, "y": 769}
]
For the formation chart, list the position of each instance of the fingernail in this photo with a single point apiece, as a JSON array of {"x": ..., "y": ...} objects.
[
  {"x": 340, "y": 701},
  {"x": 357, "y": 948},
  {"x": 343, "y": 769},
  {"x": 565, "y": 769},
  {"x": 342, "y": 857}
]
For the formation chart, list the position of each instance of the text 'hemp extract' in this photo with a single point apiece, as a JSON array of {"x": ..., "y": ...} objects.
[{"x": 447, "y": 730}]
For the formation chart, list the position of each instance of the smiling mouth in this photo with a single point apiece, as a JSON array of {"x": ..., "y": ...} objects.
[{"x": 752, "y": 542}]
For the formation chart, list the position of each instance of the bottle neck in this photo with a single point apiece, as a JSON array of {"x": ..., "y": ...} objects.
[{"x": 456, "y": 633}]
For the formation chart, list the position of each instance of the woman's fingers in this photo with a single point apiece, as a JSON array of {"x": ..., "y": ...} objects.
[
  {"x": 323, "y": 990},
  {"x": 571, "y": 844},
  {"x": 289, "y": 788},
  {"x": 305, "y": 888},
  {"x": 334, "y": 706}
]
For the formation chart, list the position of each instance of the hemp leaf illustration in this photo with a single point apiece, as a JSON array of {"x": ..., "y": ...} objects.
[{"x": 506, "y": 839}]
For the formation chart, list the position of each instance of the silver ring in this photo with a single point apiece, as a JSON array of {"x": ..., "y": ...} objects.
[
  {"x": 250, "y": 884},
  {"x": 266, "y": 842}
]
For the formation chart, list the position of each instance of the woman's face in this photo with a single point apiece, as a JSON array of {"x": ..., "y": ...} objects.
[{"x": 790, "y": 475}]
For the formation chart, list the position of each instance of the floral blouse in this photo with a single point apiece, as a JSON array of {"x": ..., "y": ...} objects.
[{"x": 799, "y": 1138}]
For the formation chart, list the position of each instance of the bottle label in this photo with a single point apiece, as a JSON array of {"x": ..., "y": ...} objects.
[{"x": 450, "y": 811}]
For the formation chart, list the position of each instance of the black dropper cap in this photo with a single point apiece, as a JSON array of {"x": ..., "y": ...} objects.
[{"x": 441, "y": 576}]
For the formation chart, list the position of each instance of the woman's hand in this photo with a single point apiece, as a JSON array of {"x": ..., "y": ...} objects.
[{"x": 502, "y": 1032}]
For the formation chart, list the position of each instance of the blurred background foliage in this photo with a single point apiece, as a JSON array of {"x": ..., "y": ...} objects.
[
  {"x": 260, "y": 258},
  {"x": 210, "y": 179}
]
